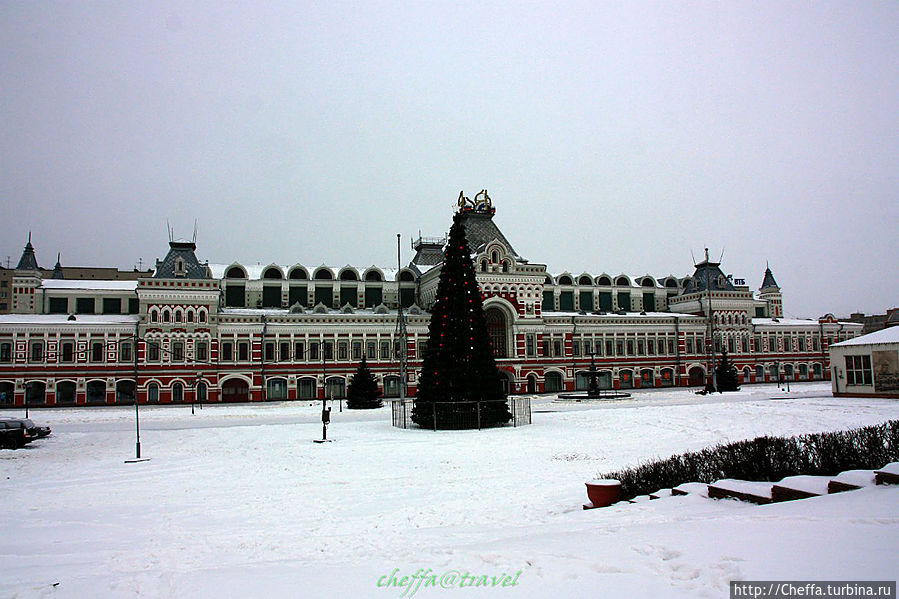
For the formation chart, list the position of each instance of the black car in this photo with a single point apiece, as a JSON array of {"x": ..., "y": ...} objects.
[{"x": 16, "y": 432}]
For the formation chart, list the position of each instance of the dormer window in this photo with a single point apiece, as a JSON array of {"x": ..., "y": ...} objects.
[{"x": 180, "y": 270}]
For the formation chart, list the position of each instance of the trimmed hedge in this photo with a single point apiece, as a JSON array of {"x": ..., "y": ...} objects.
[{"x": 767, "y": 459}]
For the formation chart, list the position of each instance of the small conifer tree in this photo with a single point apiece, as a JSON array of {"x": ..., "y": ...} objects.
[
  {"x": 363, "y": 392},
  {"x": 726, "y": 375}
]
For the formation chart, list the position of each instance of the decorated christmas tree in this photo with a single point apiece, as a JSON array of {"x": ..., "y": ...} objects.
[
  {"x": 459, "y": 386},
  {"x": 363, "y": 392},
  {"x": 726, "y": 375}
]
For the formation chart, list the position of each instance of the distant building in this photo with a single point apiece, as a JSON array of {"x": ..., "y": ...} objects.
[
  {"x": 61, "y": 272},
  {"x": 867, "y": 366},
  {"x": 875, "y": 322},
  {"x": 237, "y": 332}
]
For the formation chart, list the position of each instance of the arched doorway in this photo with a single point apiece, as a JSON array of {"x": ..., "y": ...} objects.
[
  {"x": 124, "y": 391},
  {"x": 667, "y": 377},
  {"x": 235, "y": 390},
  {"x": 335, "y": 388},
  {"x": 65, "y": 392},
  {"x": 532, "y": 383},
  {"x": 552, "y": 382},
  {"x": 35, "y": 393},
  {"x": 625, "y": 379},
  {"x": 496, "y": 330},
  {"x": 276, "y": 389},
  {"x": 391, "y": 386},
  {"x": 697, "y": 376},
  {"x": 96, "y": 392},
  {"x": 505, "y": 379},
  {"x": 7, "y": 393}
]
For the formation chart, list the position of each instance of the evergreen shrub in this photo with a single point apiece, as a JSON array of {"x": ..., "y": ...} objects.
[{"x": 767, "y": 459}]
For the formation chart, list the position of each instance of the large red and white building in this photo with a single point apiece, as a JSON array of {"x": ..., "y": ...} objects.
[{"x": 234, "y": 332}]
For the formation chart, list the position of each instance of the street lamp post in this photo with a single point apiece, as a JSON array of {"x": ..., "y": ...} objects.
[{"x": 197, "y": 382}]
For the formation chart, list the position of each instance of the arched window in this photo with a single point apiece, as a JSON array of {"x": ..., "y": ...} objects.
[
  {"x": 323, "y": 274},
  {"x": 298, "y": 272},
  {"x": 548, "y": 281},
  {"x": 201, "y": 315},
  {"x": 373, "y": 275},
  {"x": 564, "y": 280},
  {"x": 154, "y": 315},
  {"x": 406, "y": 276},
  {"x": 623, "y": 282},
  {"x": 348, "y": 275},
  {"x": 272, "y": 273},
  {"x": 494, "y": 257},
  {"x": 177, "y": 392},
  {"x": 190, "y": 315},
  {"x": 505, "y": 266},
  {"x": 166, "y": 316},
  {"x": 153, "y": 393},
  {"x": 483, "y": 266},
  {"x": 178, "y": 315},
  {"x": 648, "y": 282},
  {"x": 496, "y": 329},
  {"x": 671, "y": 283},
  {"x": 604, "y": 281},
  {"x": 585, "y": 280},
  {"x": 235, "y": 272}
]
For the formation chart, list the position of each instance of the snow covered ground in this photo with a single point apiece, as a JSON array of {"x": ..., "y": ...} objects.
[{"x": 237, "y": 501}]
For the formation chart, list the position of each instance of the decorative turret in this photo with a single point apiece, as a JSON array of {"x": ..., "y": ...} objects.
[
  {"x": 57, "y": 270},
  {"x": 769, "y": 292},
  {"x": 28, "y": 261},
  {"x": 26, "y": 280}
]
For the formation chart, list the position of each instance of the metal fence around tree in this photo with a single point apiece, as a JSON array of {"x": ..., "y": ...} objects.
[{"x": 459, "y": 415}]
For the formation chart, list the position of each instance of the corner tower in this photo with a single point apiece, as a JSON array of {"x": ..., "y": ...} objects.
[
  {"x": 769, "y": 293},
  {"x": 26, "y": 280}
]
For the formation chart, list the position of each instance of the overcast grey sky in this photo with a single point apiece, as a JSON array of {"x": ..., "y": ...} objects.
[{"x": 612, "y": 137}]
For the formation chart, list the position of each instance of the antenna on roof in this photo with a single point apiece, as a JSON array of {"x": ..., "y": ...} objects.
[
  {"x": 721, "y": 259},
  {"x": 169, "y": 229},
  {"x": 195, "y": 231},
  {"x": 693, "y": 256}
]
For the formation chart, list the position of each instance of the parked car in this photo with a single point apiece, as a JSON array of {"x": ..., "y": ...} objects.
[{"x": 16, "y": 432}]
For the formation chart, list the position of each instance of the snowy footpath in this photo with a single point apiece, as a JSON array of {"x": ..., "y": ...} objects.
[{"x": 237, "y": 501}]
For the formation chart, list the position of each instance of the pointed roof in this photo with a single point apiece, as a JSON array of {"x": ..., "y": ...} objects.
[
  {"x": 708, "y": 276},
  {"x": 57, "y": 270},
  {"x": 28, "y": 261},
  {"x": 769, "y": 281},
  {"x": 181, "y": 262},
  {"x": 477, "y": 220}
]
